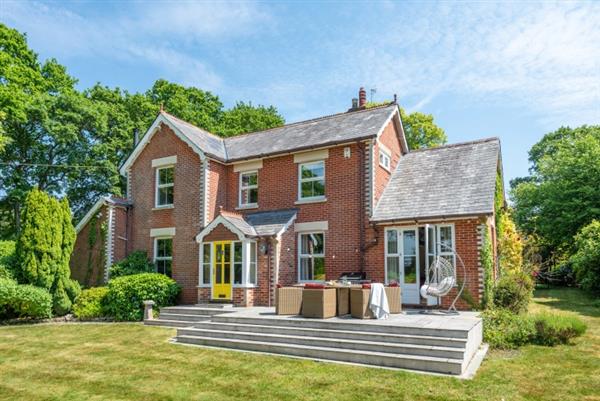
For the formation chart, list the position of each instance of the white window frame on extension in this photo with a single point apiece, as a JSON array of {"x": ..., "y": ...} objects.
[
  {"x": 443, "y": 251},
  {"x": 302, "y": 180},
  {"x": 385, "y": 159},
  {"x": 163, "y": 258},
  {"x": 249, "y": 264},
  {"x": 158, "y": 186},
  {"x": 309, "y": 256},
  {"x": 243, "y": 188}
]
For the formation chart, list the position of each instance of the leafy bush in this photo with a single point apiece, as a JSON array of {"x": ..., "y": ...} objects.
[
  {"x": 7, "y": 259},
  {"x": 24, "y": 300},
  {"x": 137, "y": 262},
  {"x": 554, "y": 329},
  {"x": 90, "y": 303},
  {"x": 513, "y": 292},
  {"x": 126, "y": 295},
  {"x": 586, "y": 259},
  {"x": 504, "y": 329}
]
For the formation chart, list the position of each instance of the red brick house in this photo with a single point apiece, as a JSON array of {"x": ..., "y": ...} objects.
[{"x": 230, "y": 218}]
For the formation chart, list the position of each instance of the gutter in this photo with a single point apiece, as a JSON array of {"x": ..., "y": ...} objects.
[{"x": 432, "y": 218}]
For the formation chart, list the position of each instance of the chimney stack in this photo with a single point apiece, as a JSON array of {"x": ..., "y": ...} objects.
[{"x": 362, "y": 97}]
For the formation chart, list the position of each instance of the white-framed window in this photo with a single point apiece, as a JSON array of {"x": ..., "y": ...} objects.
[
  {"x": 206, "y": 263},
  {"x": 311, "y": 180},
  {"x": 165, "y": 184},
  {"x": 385, "y": 159},
  {"x": 445, "y": 242},
  {"x": 163, "y": 255},
  {"x": 392, "y": 257},
  {"x": 248, "y": 188},
  {"x": 311, "y": 256},
  {"x": 244, "y": 257}
]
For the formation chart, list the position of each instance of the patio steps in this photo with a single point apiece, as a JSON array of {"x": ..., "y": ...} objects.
[
  {"x": 187, "y": 315},
  {"x": 445, "y": 351}
]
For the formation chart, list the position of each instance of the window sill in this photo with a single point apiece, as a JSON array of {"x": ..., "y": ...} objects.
[
  {"x": 244, "y": 286},
  {"x": 249, "y": 206},
  {"x": 320, "y": 199},
  {"x": 203, "y": 286},
  {"x": 166, "y": 207}
]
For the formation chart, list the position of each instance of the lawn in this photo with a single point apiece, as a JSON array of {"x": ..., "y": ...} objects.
[{"x": 133, "y": 362}]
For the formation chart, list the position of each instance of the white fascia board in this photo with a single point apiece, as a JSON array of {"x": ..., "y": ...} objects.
[
  {"x": 247, "y": 166},
  {"x": 160, "y": 119},
  {"x": 162, "y": 232},
  {"x": 395, "y": 112},
  {"x": 88, "y": 216}
]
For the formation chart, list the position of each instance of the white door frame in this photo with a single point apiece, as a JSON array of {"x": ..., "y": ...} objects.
[{"x": 410, "y": 292}]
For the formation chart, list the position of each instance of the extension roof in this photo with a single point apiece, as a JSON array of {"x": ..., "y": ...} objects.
[
  {"x": 448, "y": 181},
  {"x": 305, "y": 135}
]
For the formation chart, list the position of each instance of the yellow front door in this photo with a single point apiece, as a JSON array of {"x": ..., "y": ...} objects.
[{"x": 221, "y": 270}]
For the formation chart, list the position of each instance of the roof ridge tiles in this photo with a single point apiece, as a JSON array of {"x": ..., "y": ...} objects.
[{"x": 457, "y": 144}]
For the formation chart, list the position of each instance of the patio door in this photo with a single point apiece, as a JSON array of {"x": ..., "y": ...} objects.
[
  {"x": 221, "y": 270},
  {"x": 402, "y": 261}
]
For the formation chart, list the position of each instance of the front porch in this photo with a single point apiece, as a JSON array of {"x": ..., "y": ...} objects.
[{"x": 449, "y": 344}]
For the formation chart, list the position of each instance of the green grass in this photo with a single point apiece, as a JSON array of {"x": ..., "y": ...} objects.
[{"x": 133, "y": 362}]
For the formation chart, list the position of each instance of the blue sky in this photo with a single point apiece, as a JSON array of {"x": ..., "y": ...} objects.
[{"x": 513, "y": 70}]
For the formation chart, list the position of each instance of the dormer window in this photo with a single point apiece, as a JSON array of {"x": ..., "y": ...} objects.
[{"x": 164, "y": 186}]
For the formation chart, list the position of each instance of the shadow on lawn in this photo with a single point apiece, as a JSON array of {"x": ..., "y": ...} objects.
[{"x": 568, "y": 299}]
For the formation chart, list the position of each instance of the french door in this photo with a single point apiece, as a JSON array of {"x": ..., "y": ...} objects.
[{"x": 402, "y": 261}]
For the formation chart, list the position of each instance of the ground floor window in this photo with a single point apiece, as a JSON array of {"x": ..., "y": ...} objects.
[
  {"x": 241, "y": 253},
  {"x": 311, "y": 257},
  {"x": 163, "y": 255}
]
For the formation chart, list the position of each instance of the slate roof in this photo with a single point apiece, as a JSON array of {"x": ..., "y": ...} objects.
[
  {"x": 323, "y": 131},
  {"x": 262, "y": 223},
  {"x": 453, "y": 180}
]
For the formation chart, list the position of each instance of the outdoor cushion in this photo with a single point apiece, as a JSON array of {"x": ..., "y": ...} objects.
[{"x": 314, "y": 286}]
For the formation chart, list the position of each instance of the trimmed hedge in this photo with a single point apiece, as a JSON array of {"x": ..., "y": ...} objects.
[
  {"x": 24, "y": 300},
  {"x": 125, "y": 297},
  {"x": 7, "y": 259},
  {"x": 90, "y": 303},
  {"x": 135, "y": 263}
]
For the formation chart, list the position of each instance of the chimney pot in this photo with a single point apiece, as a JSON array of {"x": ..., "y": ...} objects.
[
  {"x": 354, "y": 103},
  {"x": 362, "y": 97}
]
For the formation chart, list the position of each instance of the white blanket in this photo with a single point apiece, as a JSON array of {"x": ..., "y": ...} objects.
[{"x": 378, "y": 302}]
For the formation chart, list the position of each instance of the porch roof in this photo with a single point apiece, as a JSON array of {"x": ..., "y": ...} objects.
[{"x": 448, "y": 181}]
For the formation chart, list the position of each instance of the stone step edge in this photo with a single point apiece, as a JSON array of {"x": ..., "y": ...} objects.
[
  {"x": 333, "y": 331},
  {"x": 178, "y": 324},
  {"x": 163, "y": 314},
  {"x": 400, "y": 357},
  {"x": 329, "y": 340},
  {"x": 353, "y": 326}
]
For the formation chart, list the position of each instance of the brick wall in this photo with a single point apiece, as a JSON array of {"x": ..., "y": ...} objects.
[
  {"x": 187, "y": 211},
  {"x": 389, "y": 139}
]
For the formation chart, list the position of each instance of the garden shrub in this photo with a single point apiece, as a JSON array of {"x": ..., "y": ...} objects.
[
  {"x": 513, "y": 292},
  {"x": 125, "y": 297},
  {"x": 586, "y": 259},
  {"x": 487, "y": 263},
  {"x": 7, "y": 259},
  {"x": 553, "y": 329},
  {"x": 504, "y": 329},
  {"x": 137, "y": 262},
  {"x": 24, "y": 300},
  {"x": 90, "y": 303}
]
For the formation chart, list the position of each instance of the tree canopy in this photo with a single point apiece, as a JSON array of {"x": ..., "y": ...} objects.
[
  {"x": 66, "y": 141},
  {"x": 562, "y": 194}
]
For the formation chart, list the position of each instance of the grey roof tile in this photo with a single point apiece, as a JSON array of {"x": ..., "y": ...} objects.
[
  {"x": 451, "y": 180},
  {"x": 271, "y": 222},
  {"x": 209, "y": 143}
]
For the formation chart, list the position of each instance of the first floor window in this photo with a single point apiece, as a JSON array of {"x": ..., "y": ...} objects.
[
  {"x": 312, "y": 180},
  {"x": 164, "y": 186},
  {"x": 163, "y": 255},
  {"x": 206, "y": 262},
  {"x": 249, "y": 188},
  {"x": 312, "y": 257},
  {"x": 385, "y": 160}
]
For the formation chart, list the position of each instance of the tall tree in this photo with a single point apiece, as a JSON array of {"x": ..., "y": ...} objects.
[{"x": 562, "y": 195}]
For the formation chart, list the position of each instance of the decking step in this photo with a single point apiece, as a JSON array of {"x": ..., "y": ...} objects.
[
  {"x": 184, "y": 317},
  {"x": 338, "y": 334},
  {"x": 351, "y": 325},
  {"x": 169, "y": 323},
  {"x": 329, "y": 343},
  {"x": 405, "y": 361},
  {"x": 195, "y": 310}
]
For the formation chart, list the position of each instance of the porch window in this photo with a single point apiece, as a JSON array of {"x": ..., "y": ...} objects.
[
  {"x": 237, "y": 263},
  {"x": 163, "y": 255},
  {"x": 311, "y": 257},
  {"x": 206, "y": 262},
  {"x": 252, "y": 268},
  {"x": 312, "y": 180},
  {"x": 248, "y": 188},
  {"x": 164, "y": 186}
]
